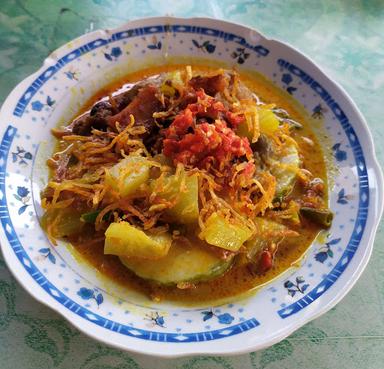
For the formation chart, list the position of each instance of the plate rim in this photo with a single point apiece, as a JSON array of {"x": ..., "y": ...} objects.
[{"x": 369, "y": 154}]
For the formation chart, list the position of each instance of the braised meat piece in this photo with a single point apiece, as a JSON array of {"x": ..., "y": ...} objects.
[
  {"x": 99, "y": 116},
  {"x": 210, "y": 85},
  {"x": 142, "y": 107},
  {"x": 95, "y": 119}
]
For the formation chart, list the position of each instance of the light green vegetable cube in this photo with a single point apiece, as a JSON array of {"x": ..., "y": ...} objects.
[
  {"x": 123, "y": 239},
  {"x": 258, "y": 119},
  {"x": 220, "y": 232},
  {"x": 250, "y": 126},
  {"x": 186, "y": 209},
  {"x": 267, "y": 121},
  {"x": 128, "y": 175}
]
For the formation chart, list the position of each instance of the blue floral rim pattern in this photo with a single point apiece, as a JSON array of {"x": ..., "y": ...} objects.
[
  {"x": 362, "y": 213},
  {"x": 49, "y": 72},
  {"x": 327, "y": 282}
]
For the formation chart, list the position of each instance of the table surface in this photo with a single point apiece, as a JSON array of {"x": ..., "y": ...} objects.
[{"x": 345, "y": 37}]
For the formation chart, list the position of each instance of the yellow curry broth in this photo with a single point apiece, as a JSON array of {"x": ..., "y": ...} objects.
[{"x": 238, "y": 279}]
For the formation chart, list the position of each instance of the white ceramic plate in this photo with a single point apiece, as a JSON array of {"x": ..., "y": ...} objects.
[{"x": 72, "y": 74}]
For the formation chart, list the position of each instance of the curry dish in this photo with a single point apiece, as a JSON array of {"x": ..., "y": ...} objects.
[{"x": 188, "y": 183}]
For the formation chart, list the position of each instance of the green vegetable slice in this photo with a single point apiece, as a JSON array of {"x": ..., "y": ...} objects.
[
  {"x": 66, "y": 222},
  {"x": 268, "y": 232},
  {"x": 284, "y": 166},
  {"x": 90, "y": 217},
  {"x": 322, "y": 217},
  {"x": 183, "y": 263},
  {"x": 123, "y": 239}
]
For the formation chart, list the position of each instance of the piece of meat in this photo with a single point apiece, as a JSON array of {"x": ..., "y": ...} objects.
[
  {"x": 84, "y": 125},
  {"x": 123, "y": 99},
  {"x": 81, "y": 126},
  {"x": 96, "y": 118},
  {"x": 142, "y": 107},
  {"x": 101, "y": 109},
  {"x": 210, "y": 85},
  {"x": 153, "y": 142}
]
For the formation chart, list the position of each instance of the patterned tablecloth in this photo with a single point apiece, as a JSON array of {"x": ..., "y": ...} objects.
[{"x": 346, "y": 37}]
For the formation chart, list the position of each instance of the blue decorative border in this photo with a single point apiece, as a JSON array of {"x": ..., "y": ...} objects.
[
  {"x": 134, "y": 32},
  {"x": 362, "y": 212},
  {"x": 71, "y": 305},
  {"x": 199, "y": 336}
]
